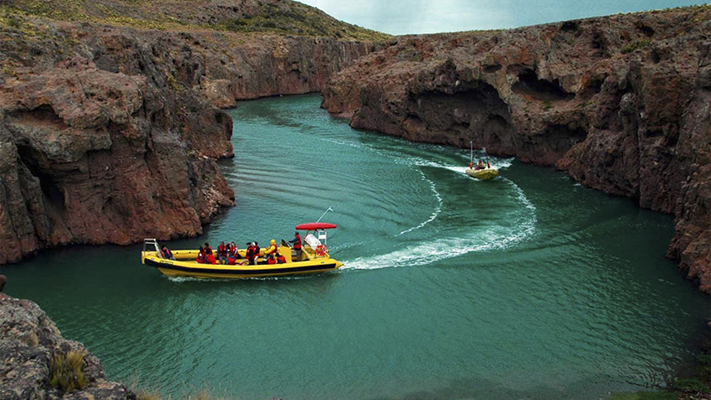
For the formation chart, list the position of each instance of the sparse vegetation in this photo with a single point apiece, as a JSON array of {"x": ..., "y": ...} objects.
[
  {"x": 635, "y": 45},
  {"x": 285, "y": 18},
  {"x": 66, "y": 370}
]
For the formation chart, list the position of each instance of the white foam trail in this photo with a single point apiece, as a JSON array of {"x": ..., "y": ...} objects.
[
  {"x": 443, "y": 248},
  {"x": 436, "y": 211}
]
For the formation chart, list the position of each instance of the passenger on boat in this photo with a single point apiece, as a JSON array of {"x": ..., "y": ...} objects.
[
  {"x": 280, "y": 258},
  {"x": 232, "y": 254},
  {"x": 201, "y": 256},
  {"x": 209, "y": 257},
  {"x": 271, "y": 259},
  {"x": 296, "y": 245},
  {"x": 480, "y": 165},
  {"x": 166, "y": 253},
  {"x": 271, "y": 250},
  {"x": 251, "y": 256},
  {"x": 222, "y": 253},
  {"x": 207, "y": 247}
]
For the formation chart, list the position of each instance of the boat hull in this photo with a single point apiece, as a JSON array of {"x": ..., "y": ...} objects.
[
  {"x": 190, "y": 268},
  {"x": 483, "y": 174}
]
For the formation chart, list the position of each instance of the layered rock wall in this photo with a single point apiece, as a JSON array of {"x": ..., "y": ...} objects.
[
  {"x": 621, "y": 103},
  {"x": 110, "y": 134}
]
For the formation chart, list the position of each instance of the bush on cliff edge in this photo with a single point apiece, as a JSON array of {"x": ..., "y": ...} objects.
[{"x": 66, "y": 370}]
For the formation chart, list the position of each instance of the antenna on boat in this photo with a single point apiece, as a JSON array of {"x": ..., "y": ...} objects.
[{"x": 329, "y": 209}]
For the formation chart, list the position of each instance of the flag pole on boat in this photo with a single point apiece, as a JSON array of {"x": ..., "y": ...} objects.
[{"x": 322, "y": 215}]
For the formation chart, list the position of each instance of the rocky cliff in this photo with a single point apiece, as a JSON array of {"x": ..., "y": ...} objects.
[
  {"x": 32, "y": 354},
  {"x": 621, "y": 103},
  {"x": 110, "y": 121}
]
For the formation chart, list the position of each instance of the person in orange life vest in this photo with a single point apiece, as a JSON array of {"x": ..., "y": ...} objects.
[
  {"x": 166, "y": 253},
  {"x": 280, "y": 258},
  {"x": 471, "y": 165},
  {"x": 208, "y": 249},
  {"x": 271, "y": 259},
  {"x": 296, "y": 245},
  {"x": 488, "y": 164},
  {"x": 201, "y": 256},
  {"x": 222, "y": 253}
]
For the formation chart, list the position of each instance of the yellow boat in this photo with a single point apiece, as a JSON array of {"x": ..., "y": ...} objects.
[
  {"x": 483, "y": 174},
  {"x": 314, "y": 258}
]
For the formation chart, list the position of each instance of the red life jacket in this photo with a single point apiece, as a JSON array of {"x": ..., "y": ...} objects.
[
  {"x": 271, "y": 260},
  {"x": 233, "y": 252},
  {"x": 200, "y": 258},
  {"x": 297, "y": 242},
  {"x": 221, "y": 250},
  {"x": 281, "y": 259},
  {"x": 270, "y": 251},
  {"x": 211, "y": 259}
]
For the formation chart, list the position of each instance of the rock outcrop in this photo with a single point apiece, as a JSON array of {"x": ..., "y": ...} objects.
[
  {"x": 110, "y": 134},
  {"x": 30, "y": 344},
  {"x": 621, "y": 103}
]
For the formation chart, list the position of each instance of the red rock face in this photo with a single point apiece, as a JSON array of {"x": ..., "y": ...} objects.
[
  {"x": 109, "y": 135},
  {"x": 621, "y": 103}
]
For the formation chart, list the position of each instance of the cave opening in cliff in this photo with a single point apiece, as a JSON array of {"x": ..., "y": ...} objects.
[
  {"x": 539, "y": 89},
  {"x": 462, "y": 115},
  {"x": 49, "y": 185}
]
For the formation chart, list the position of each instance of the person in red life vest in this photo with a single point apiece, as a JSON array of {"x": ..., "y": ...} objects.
[
  {"x": 480, "y": 165},
  {"x": 232, "y": 254},
  {"x": 280, "y": 258},
  {"x": 166, "y": 253},
  {"x": 271, "y": 250},
  {"x": 222, "y": 253},
  {"x": 271, "y": 259},
  {"x": 209, "y": 257},
  {"x": 296, "y": 245},
  {"x": 201, "y": 256},
  {"x": 488, "y": 164},
  {"x": 207, "y": 248},
  {"x": 471, "y": 164},
  {"x": 251, "y": 254}
]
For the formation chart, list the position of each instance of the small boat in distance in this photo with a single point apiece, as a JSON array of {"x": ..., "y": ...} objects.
[
  {"x": 313, "y": 258},
  {"x": 483, "y": 170}
]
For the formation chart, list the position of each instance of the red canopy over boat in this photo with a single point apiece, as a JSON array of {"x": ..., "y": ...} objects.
[{"x": 310, "y": 226}]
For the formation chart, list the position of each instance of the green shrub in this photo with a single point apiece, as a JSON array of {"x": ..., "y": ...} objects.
[{"x": 66, "y": 370}]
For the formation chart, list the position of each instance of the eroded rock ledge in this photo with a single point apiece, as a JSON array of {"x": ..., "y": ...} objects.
[
  {"x": 111, "y": 134},
  {"x": 28, "y": 341},
  {"x": 621, "y": 103}
]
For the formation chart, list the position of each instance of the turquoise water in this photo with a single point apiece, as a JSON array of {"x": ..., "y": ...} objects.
[{"x": 527, "y": 286}]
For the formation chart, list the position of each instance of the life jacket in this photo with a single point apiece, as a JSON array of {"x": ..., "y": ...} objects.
[
  {"x": 208, "y": 250},
  {"x": 297, "y": 242},
  {"x": 221, "y": 250},
  {"x": 271, "y": 260},
  {"x": 200, "y": 258},
  {"x": 211, "y": 259},
  {"x": 167, "y": 253},
  {"x": 250, "y": 252},
  {"x": 272, "y": 249},
  {"x": 281, "y": 259},
  {"x": 233, "y": 252}
]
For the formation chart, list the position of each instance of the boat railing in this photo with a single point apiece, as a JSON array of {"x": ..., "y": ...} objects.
[{"x": 151, "y": 242}]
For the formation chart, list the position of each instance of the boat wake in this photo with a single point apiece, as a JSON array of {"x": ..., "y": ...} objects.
[
  {"x": 430, "y": 251},
  {"x": 435, "y": 213}
]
